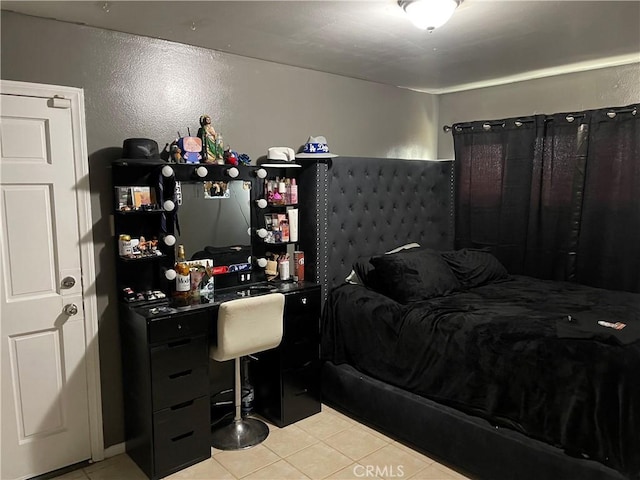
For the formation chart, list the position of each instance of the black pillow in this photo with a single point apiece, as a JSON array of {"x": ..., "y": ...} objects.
[
  {"x": 474, "y": 268},
  {"x": 364, "y": 270},
  {"x": 413, "y": 275}
]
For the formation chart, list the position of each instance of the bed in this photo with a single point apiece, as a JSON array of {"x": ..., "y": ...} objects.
[{"x": 515, "y": 370}]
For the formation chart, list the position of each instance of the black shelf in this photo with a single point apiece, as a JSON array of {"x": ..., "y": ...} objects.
[
  {"x": 144, "y": 258},
  {"x": 140, "y": 211},
  {"x": 276, "y": 206}
]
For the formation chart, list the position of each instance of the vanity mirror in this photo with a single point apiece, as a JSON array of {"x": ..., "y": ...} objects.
[{"x": 215, "y": 220}]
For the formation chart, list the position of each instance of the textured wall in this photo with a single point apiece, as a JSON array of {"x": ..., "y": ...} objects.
[
  {"x": 607, "y": 87},
  {"x": 142, "y": 87}
]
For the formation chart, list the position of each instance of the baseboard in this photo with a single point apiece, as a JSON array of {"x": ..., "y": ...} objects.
[{"x": 113, "y": 450}]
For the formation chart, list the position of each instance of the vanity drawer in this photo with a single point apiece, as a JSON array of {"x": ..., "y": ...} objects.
[
  {"x": 303, "y": 303},
  {"x": 300, "y": 393},
  {"x": 302, "y": 322},
  {"x": 181, "y": 436},
  {"x": 179, "y": 371},
  {"x": 299, "y": 353},
  {"x": 176, "y": 326}
]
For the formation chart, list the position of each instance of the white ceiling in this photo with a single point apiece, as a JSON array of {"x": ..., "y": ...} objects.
[{"x": 486, "y": 42}]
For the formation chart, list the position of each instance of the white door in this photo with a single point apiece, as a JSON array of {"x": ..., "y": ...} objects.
[{"x": 45, "y": 396}]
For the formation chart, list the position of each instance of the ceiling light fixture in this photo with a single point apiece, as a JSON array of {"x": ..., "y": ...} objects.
[{"x": 429, "y": 14}]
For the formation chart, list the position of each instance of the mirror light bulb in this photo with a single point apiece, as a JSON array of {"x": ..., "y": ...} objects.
[
  {"x": 169, "y": 205},
  {"x": 262, "y": 203},
  {"x": 170, "y": 240},
  {"x": 262, "y": 232},
  {"x": 262, "y": 262},
  {"x": 233, "y": 172},
  {"x": 167, "y": 171},
  {"x": 202, "y": 171},
  {"x": 261, "y": 173},
  {"x": 170, "y": 274}
]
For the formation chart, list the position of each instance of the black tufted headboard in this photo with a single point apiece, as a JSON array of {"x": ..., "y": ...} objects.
[{"x": 375, "y": 204}]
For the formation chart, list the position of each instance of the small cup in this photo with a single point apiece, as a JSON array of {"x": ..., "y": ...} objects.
[{"x": 284, "y": 270}]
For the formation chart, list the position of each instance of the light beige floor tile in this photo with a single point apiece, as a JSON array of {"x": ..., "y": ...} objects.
[
  {"x": 73, "y": 475},
  {"x": 375, "y": 432},
  {"x": 354, "y": 471},
  {"x": 281, "y": 470},
  {"x": 319, "y": 461},
  {"x": 410, "y": 450},
  {"x": 312, "y": 419},
  {"x": 431, "y": 472},
  {"x": 332, "y": 411},
  {"x": 116, "y": 460},
  {"x": 288, "y": 440},
  {"x": 393, "y": 462},
  {"x": 325, "y": 426},
  {"x": 207, "y": 469},
  {"x": 355, "y": 442},
  {"x": 243, "y": 462},
  {"x": 117, "y": 471}
]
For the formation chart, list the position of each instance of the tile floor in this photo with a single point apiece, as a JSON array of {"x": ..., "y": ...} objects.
[{"x": 328, "y": 445}]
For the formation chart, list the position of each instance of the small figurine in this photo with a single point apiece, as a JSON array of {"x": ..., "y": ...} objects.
[
  {"x": 175, "y": 153},
  {"x": 191, "y": 149},
  {"x": 209, "y": 137},
  {"x": 230, "y": 156},
  {"x": 244, "y": 159}
]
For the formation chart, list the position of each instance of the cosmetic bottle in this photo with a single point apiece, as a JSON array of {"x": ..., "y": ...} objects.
[
  {"x": 282, "y": 190},
  {"x": 292, "y": 214},
  {"x": 294, "y": 192}
]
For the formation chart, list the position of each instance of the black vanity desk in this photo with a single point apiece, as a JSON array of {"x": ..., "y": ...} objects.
[{"x": 165, "y": 353}]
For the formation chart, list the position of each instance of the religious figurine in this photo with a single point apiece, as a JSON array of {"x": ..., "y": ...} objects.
[{"x": 211, "y": 151}]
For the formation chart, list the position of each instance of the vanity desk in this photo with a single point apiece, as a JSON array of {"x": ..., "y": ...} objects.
[
  {"x": 166, "y": 370},
  {"x": 171, "y": 387}
]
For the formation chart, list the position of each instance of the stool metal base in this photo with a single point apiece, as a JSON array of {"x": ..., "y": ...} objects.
[{"x": 239, "y": 434}]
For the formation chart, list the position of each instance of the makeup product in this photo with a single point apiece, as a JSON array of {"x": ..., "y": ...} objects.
[
  {"x": 292, "y": 213},
  {"x": 284, "y": 228},
  {"x": 284, "y": 269},
  {"x": 298, "y": 261},
  {"x": 615, "y": 326},
  {"x": 294, "y": 192}
]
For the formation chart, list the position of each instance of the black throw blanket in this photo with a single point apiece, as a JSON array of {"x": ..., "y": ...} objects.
[{"x": 523, "y": 353}]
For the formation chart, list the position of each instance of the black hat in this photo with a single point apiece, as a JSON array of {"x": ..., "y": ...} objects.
[{"x": 140, "y": 149}]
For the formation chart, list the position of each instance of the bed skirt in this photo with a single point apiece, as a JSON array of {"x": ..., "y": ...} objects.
[{"x": 469, "y": 444}]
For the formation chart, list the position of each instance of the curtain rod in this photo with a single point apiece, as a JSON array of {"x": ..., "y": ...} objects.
[{"x": 611, "y": 113}]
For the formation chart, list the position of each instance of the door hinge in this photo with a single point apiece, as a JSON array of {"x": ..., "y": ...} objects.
[{"x": 58, "y": 101}]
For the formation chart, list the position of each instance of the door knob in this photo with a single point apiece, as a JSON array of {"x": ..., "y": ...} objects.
[
  {"x": 68, "y": 282},
  {"x": 71, "y": 309}
]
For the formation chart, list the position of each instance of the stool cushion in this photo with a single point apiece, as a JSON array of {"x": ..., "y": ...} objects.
[{"x": 248, "y": 325}]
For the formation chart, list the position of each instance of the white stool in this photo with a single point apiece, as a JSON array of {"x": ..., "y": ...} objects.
[{"x": 245, "y": 326}]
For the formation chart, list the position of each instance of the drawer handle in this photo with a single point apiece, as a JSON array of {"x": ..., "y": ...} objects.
[
  {"x": 182, "y": 405},
  {"x": 181, "y": 437},
  {"x": 179, "y": 343},
  {"x": 303, "y": 300},
  {"x": 302, "y": 392},
  {"x": 180, "y": 374}
]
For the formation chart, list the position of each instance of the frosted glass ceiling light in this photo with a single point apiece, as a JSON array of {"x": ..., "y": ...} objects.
[{"x": 429, "y": 14}]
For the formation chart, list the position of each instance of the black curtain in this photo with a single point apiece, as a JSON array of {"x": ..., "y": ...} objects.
[
  {"x": 608, "y": 253},
  {"x": 551, "y": 195}
]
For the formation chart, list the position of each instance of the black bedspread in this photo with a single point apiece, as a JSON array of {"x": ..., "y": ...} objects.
[{"x": 508, "y": 352}]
